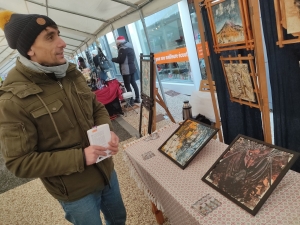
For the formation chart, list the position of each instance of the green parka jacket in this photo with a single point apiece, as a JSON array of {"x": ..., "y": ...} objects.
[{"x": 43, "y": 131}]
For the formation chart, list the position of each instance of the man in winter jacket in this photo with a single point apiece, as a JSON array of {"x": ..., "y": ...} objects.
[
  {"x": 46, "y": 109},
  {"x": 126, "y": 61}
]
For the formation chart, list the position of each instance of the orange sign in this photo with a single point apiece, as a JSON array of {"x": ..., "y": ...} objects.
[{"x": 178, "y": 55}]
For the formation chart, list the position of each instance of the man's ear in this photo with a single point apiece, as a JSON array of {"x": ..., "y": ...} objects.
[{"x": 30, "y": 52}]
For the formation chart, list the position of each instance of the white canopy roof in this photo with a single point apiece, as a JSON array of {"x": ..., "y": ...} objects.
[{"x": 80, "y": 22}]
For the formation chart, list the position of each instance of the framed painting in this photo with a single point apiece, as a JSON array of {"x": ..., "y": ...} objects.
[
  {"x": 287, "y": 14},
  {"x": 230, "y": 24},
  {"x": 145, "y": 120},
  {"x": 147, "y": 76},
  {"x": 248, "y": 171},
  {"x": 187, "y": 141},
  {"x": 241, "y": 80}
]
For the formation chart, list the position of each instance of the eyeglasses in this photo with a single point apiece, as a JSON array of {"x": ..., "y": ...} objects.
[{"x": 152, "y": 136}]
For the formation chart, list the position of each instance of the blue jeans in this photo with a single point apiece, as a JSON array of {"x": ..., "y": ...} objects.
[{"x": 87, "y": 209}]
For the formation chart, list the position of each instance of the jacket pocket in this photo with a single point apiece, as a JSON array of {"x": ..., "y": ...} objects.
[
  {"x": 46, "y": 125},
  {"x": 13, "y": 137},
  {"x": 55, "y": 185}
]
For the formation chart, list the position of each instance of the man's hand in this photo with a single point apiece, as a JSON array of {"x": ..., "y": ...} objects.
[
  {"x": 93, "y": 152},
  {"x": 113, "y": 145}
]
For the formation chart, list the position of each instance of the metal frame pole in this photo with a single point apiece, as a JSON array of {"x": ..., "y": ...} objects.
[
  {"x": 113, "y": 31},
  {"x": 148, "y": 42}
]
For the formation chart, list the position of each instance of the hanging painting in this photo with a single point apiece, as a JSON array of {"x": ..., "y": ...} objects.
[
  {"x": 248, "y": 171},
  {"x": 287, "y": 14},
  {"x": 229, "y": 21},
  {"x": 241, "y": 80},
  {"x": 292, "y": 14},
  {"x": 186, "y": 142}
]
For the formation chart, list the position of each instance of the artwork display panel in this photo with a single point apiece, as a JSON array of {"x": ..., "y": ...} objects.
[
  {"x": 186, "y": 142},
  {"x": 241, "y": 80},
  {"x": 230, "y": 24},
  {"x": 248, "y": 171},
  {"x": 147, "y": 76},
  {"x": 145, "y": 120}
]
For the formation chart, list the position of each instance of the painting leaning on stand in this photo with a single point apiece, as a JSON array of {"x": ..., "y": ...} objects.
[{"x": 46, "y": 109}]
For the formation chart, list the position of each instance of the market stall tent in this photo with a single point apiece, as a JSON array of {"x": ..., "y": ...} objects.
[{"x": 80, "y": 22}]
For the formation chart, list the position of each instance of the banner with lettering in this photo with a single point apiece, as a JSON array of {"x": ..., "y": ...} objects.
[{"x": 178, "y": 55}]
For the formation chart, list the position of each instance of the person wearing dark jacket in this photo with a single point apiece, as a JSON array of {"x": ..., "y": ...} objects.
[
  {"x": 81, "y": 62},
  {"x": 100, "y": 73},
  {"x": 46, "y": 109},
  {"x": 126, "y": 59}
]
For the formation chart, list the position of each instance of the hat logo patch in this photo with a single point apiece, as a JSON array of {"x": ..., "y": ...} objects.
[{"x": 41, "y": 21}]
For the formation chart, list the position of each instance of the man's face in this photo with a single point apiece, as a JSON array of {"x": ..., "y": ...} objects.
[{"x": 48, "y": 48}]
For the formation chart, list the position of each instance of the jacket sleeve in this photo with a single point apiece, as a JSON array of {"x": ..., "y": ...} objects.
[
  {"x": 18, "y": 144},
  {"x": 121, "y": 57}
]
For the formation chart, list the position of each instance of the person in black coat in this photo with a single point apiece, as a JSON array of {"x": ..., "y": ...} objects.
[
  {"x": 100, "y": 73},
  {"x": 126, "y": 59},
  {"x": 82, "y": 64}
]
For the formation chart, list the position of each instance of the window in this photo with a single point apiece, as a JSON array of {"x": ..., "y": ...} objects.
[{"x": 166, "y": 38}]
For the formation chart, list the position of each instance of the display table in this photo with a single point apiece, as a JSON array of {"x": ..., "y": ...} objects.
[{"x": 174, "y": 190}]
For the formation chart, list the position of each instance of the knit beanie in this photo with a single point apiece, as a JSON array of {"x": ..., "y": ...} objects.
[
  {"x": 21, "y": 30},
  {"x": 121, "y": 39}
]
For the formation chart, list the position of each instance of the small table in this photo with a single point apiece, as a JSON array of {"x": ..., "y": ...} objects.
[{"x": 174, "y": 190}]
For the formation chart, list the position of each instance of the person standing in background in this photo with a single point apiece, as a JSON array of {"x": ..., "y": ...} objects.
[
  {"x": 81, "y": 62},
  {"x": 100, "y": 73},
  {"x": 126, "y": 59},
  {"x": 46, "y": 109}
]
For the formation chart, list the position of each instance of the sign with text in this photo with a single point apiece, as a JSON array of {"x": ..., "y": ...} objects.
[{"x": 178, "y": 55}]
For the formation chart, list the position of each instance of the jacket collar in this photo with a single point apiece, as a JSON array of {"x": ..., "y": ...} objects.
[{"x": 23, "y": 81}]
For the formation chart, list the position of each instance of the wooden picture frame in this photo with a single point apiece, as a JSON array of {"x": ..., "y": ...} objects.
[
  {"x": 187, "y": 141},
  {"x": 146, "y": 119},
  {"x": 230, "y": 24},
  {"x": 287, "y": 21},
  {"x": 248, "y": 171},
  {"x": 241, "y": 80}
]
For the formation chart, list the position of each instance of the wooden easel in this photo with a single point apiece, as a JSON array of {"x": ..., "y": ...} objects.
[{"x": 161, "y": 102}]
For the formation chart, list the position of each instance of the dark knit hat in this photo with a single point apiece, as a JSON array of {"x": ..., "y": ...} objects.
[{"x": 21, "y": 30}]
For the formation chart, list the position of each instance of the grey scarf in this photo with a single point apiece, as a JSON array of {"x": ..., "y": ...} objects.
[{"x": 59, "y": 71}]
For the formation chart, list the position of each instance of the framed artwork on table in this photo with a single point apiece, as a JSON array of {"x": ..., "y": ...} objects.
[
  {"x": 241, "y": 80},
  {"x": 145, "y": 120},
  {"x": 230, "y": 24},
  {"x": 287, "y": 14},
  {"x": 248, "y": 171},
  {"x": 187, "y": 141}
]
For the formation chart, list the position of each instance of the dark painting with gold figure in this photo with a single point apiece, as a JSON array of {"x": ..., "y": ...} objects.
[{"x": 249, "y": 170}]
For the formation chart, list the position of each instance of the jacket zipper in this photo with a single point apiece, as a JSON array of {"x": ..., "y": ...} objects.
[{"x": 59, "y": 83}]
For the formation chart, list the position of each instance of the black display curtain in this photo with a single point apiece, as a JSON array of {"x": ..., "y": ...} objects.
[
  {"x": 236, "y": 118},
  {"x": 285, "y": 83}
]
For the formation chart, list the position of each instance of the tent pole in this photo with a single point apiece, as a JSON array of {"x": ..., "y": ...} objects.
[
  {"x": 112, "y": 30},
  {"x": 148, "y": 42}
]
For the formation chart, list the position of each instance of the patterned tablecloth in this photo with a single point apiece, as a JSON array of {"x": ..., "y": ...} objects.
[{"x": 174, "y": 190}]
